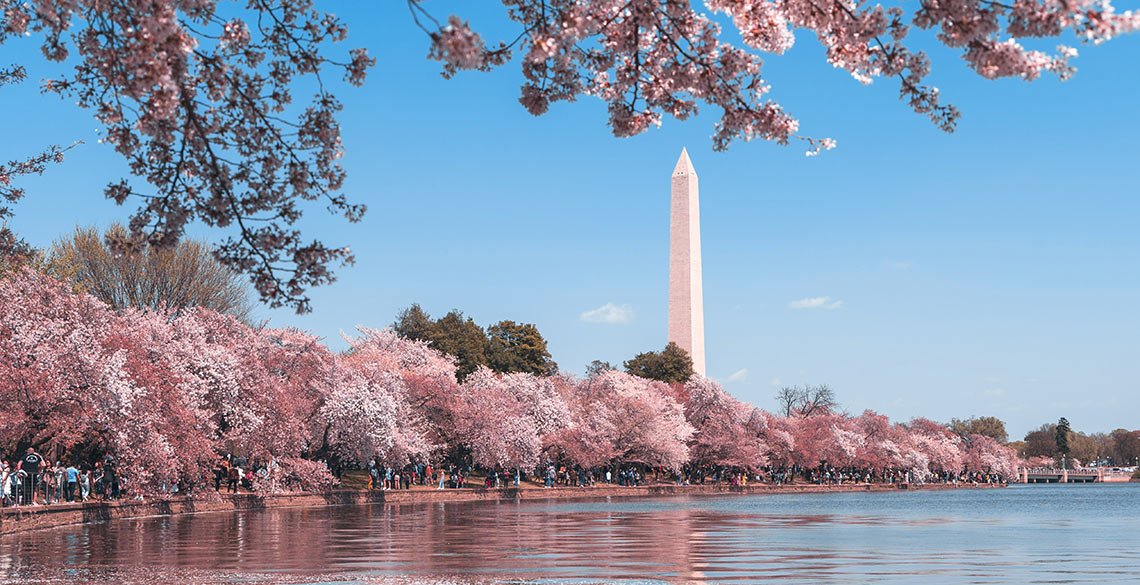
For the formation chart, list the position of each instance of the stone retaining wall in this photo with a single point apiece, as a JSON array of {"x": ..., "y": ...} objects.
[{"x": 27, "y": 518}]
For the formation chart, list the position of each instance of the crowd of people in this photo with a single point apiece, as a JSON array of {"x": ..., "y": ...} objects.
[
  {"x": 33, "y": 480},
  {"x": 385, "y": 477}
]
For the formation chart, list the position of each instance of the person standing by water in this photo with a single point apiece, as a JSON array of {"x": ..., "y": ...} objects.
[
  {"x": 71, "y": 474},
  {"x": 233, "y": 475},
  {"x": 31, "y": 465},
  {"x": 111, "y": 477},
  {"x": 47, "y": 481},
  {"x": 60, "y": 481},
  {"x": 84, "y": 484},
  {"x": 99, "y": 482}
]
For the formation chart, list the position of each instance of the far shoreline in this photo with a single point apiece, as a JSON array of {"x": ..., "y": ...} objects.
[{"x": 16, "y": 520}]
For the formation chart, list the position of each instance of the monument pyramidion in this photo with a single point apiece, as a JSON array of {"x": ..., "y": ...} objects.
[{"x": 686, "y": 304}]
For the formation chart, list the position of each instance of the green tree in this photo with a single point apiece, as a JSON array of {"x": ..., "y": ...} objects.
[
  {"x": 505, "y": 347},
  {"x": 1061, "y": 435},
  {"x": 671, "y": 364},
  {"x": 518, "y": 347},
  {"x": 596, "y": 367},
  {"x": 452, "y": 334},
  {"x": 414, "y": 323},
  {"x": 989, "y": 426},
  {"x": 460, "y": 336}
]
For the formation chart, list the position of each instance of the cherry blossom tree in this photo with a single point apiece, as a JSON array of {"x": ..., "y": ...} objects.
[
  {"x": 368, "y": 416},
  {"x": 369, "y": 411},
  {"x": 651, "y": 58},
  {"x": 728, "y": 432},
  {"x": 77, "y": 376},
  {"x": 198, "y": 96},
  {"x": 507, "y": 420},
  {"x": 629, "y": 419},
  {"x": 879, "y": 441},
  {"x": 985, "y": 454},
  {"x": 264, "y": 386},
  {"x": 51, "y": 360},
  {"x": 164, "y": 392},
  {"x": 941, "y": 447}
]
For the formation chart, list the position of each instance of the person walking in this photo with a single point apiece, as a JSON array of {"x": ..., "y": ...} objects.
[
  {"x": 47, "y": 481},
  {"x": 71, "y": 474},
  {"x": 221, "y": 472},
  {"x": 84, "y": 484},
  {"x": 232, "y": 477},
  {"x": 60, "y": 481},
  {"x": 99, "y": 482}
]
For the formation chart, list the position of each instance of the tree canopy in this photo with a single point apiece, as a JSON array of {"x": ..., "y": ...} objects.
[
  {"x": 518, "y": 347},
  {"x": 671, "y": 364},
  {"x": 806, "y": 401},
  {"x": 505, "y": 347},
  {"x": 147, "y": 277},
  {"x": 989, "y": 426}
]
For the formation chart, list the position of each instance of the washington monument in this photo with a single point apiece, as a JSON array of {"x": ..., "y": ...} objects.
[{"x": 686, "y": 304}]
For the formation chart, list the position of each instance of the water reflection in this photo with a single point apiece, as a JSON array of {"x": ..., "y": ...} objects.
[{"x": 1019, "y": 535}]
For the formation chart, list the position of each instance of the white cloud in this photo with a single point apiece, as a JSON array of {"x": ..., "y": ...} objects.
[
  {"x": 608, "y": 313},
  {"x": 738, "y": 376},
  {"x": 816, "y": 303},
  {"x": 900, "y": 264},
  {"x": 994, "y": 392}
]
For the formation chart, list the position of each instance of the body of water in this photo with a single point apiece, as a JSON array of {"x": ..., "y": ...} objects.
[{"x": 1023, "y": 534}]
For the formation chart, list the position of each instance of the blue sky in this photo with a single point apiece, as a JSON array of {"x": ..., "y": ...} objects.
[{"x": 988, "y": 272}]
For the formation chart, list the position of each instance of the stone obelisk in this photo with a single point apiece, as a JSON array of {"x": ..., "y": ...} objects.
[{"x": 686, "y": 304}]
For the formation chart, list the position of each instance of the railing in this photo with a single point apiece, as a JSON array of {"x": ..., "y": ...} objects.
[{"x": 1080, "y": 474}]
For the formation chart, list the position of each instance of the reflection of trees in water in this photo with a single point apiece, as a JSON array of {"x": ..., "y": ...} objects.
[
  {"x": 535, "y": 539},
  {"x": 484, "y": 539}
]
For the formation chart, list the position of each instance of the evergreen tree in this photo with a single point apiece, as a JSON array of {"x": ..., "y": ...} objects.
[
  {"x": 671, "y": 364},
  {"x": 518, "y": 347},
  {"x": 461, "y": 337},
  {"x": 1061, "y": 434},
  {"x": 414, "y": 323},
  {"x": 506, "y": 347}
]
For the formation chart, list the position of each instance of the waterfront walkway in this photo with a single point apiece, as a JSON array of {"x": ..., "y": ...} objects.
[{"x": 26, "y": 518}]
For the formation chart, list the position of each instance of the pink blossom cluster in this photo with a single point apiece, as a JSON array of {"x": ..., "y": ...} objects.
[
  {"x": 651, "y": 58},
  {"x": 166, "y": 392}
]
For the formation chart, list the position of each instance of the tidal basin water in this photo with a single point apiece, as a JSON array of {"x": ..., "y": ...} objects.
[{"x": 1022, "y": 534}]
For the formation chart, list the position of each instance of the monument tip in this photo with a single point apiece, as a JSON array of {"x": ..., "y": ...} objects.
[{"x": 684, "y": 165}]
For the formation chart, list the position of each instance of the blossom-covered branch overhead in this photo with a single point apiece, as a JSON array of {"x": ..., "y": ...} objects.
[
  {"x": 651, "y": 58},
  {"x": 202, "y": 107}
]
